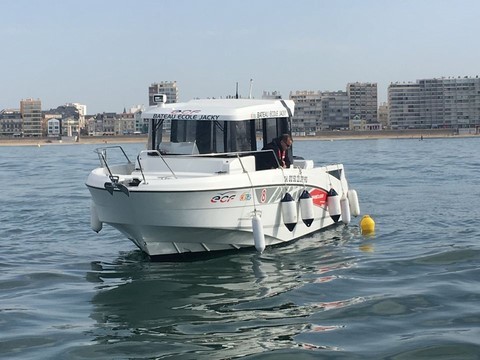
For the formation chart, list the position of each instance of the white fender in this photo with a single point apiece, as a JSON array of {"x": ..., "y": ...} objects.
[
  {"x": 306, "y": 208},
  {"x": 289, "y": 211},
  {"x": 354, "y": 204},
  {"x": 333, "y": 205},
  {"x": 258, "y": 235},
  {"x": 345, "y": 208},
  {"x": 95, "y": 223}
]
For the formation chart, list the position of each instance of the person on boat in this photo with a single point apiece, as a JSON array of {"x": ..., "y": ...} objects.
[{"x": 280, "y": 147}]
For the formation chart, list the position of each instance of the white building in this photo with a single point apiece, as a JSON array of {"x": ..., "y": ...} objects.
[
  {"x": 53, "y": 127},
  {"x": 82, "y": 112}
]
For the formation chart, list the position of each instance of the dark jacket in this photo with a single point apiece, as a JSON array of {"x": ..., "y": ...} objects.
[{"x": 277, "y": 149}]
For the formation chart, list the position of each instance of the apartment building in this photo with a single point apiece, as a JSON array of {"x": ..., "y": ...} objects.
[
  {"x": 317, "y": 111},
  {"x": 335, "y": 107},
  {"x": 435, "y": 103},
  {"x": 308, "y": 112},
  {"x": 363, "y": 101},
  {"x": 404, "y": 106},
  {"x": 11, "y": 123},
  {"x": 31, "y": 111}
]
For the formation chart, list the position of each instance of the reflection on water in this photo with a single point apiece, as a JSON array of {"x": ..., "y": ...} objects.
[{"x": 238, "y": 304}]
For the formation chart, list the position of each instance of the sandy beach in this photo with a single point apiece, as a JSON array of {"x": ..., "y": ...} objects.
[
  {"x": 81, "y": 141},
  {"x": 325, "y": 136}
]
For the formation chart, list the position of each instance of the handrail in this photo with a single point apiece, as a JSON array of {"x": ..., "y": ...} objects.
[
  {"x": 141, "y": 169},
  {"x": 158, "y": 154},
  {"x": 102, "y": 155},
  {"x": 233, "y": 154}
]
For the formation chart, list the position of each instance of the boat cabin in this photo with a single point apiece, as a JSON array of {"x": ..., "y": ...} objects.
[{"x": 217, "y": 126}]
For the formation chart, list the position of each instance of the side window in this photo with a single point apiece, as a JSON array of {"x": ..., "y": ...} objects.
[
  {"x": 274, "y": 127},
  {"x": 204, "y": 137},
  {"x": 240, "y": 135},
  {"x": 219, "y": 136},
  {"x": 183, "y": 131}
]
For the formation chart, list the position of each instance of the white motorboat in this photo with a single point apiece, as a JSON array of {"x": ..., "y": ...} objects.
[{"x": 210, "y": 188}]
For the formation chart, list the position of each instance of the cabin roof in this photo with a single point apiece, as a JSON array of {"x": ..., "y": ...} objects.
[{"x": 222, "y": 110}]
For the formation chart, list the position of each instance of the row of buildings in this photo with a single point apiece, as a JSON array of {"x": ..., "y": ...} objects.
[
  {"x": 452, "y": 103},
  {"x": 443, "y": 103},
  {"x": 435, "y": 103},
  {"x": 355, "y": 108},
  {"x": 72, "y": 119},
  {"x": 30, "y": 121}
]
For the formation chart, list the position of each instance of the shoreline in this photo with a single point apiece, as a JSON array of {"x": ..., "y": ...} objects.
[
  {"x": 82, "y": 141},
  {"x": 322, "y": 136}
]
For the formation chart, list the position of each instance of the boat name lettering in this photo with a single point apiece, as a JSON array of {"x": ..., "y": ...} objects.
[
  {"x": 269, "y": 114},
  {"x": 185, "y": 115},
  {"x": 296, "y": 178},
  {"x": 223, "y": 198},
  {"x": 209, "y": 117}
]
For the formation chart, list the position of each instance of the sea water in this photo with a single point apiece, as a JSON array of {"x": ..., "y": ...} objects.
[{"x": 409, "y": 291}]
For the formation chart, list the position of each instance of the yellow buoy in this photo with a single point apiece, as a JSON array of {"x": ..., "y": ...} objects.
[{"x": 367, "y": 225}]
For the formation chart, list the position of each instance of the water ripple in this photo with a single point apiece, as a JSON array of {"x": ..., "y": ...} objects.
[{"x": 409, "y": 291}]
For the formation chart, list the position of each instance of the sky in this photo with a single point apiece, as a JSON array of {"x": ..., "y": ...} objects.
[{"x": 105, "y": 53}]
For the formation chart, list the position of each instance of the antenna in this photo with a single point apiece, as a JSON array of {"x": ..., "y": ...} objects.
[
  {"x": 250, "y": 92},
  {"x": 236, "y": 91}
]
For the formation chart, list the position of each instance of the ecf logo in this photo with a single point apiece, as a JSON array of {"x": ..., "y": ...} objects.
[{"x": 223, "y": 198}]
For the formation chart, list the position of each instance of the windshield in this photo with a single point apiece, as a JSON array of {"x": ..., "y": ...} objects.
[{"x": 215, "y": 136}]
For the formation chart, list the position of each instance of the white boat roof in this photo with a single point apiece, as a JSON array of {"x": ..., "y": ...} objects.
[{"x": 222, "y": 110}]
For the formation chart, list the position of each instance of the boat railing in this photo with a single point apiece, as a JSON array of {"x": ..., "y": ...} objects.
[
  {"x": 152, "y": 153},
  {"x": 263, "y": 159},
  {"x": 103, "y": 157}
]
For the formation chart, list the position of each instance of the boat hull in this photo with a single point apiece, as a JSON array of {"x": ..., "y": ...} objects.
[{"x": 164, "y": 218}]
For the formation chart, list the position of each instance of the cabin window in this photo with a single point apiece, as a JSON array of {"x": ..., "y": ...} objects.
[
  {"x": 216, "y": 136},
  {"x": 155, "y": 135},
  {"x": 273, "y": 128},
  {"x": 241, "y": 136},
  {"x": 183, "y": 131}
]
